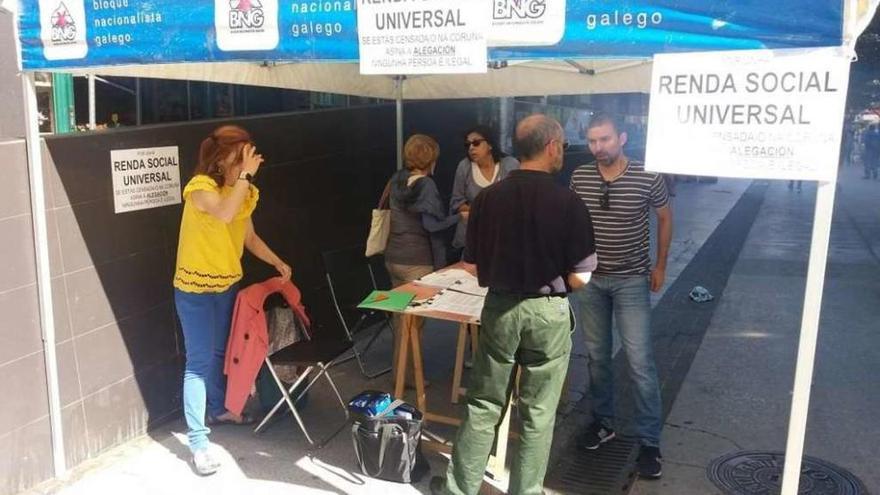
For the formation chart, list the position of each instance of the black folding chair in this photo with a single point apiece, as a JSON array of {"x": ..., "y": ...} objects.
[
  {"x": 351, "y": 277},
  {"x": 316, "y": 355}
]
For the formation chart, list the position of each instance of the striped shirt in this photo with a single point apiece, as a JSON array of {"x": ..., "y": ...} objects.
[{"x": 622, "y": 231}]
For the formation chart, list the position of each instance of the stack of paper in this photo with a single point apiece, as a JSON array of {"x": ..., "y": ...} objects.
[
  {"x": 450, "y": 301},
  {"x": 444, "y": 278},
  {"x": 469, "y": 286}
]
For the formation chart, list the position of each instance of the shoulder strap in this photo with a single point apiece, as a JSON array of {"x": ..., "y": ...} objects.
[
  {"x": 391, "y": 407},
  {"x": 384, "y": 199},
  {"x": 387, "y": 431}
]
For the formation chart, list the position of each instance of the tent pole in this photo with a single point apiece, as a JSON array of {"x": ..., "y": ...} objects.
[
  {"x": 398, "y": 86},
  {"x": 137, "y": 101},
  {"x": 44, "y": 280},
  {"x": 505, "y": 116},
  {"x": 800, "y": 401},
  {"x": 821, "y": 238},
  {"x": 189, "y": 100},
  {"x": 92, "y": 118}
]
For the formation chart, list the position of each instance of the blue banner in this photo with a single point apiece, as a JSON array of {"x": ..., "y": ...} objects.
[{"x": 59, "y": 34}]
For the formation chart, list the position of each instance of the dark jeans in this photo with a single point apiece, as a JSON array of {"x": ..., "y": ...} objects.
[{"x": 628, "y": 300}]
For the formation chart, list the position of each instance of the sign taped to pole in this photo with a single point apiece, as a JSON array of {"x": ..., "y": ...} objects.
[{"x": 767, "y": 114}]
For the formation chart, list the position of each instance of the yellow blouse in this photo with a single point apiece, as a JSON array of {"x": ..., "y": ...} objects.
[{"x": 209, "y": 250}]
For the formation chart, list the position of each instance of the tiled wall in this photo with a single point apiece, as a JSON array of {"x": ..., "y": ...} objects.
[
  {"x": 24, "y": 422},
  {"x": 119, "y": 348},
  {"x": 11, "y": 105}
]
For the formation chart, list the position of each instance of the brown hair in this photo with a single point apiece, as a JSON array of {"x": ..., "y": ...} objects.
[
  {"x": 601, "y": 119},
  {"x": 420, "y": 152},
  {"x": 216, "y": 147}
]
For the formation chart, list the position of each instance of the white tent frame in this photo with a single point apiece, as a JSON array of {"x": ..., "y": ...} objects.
[{"x": 581, "y": 70}]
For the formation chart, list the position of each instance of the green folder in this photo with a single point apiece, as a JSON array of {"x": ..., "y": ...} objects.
[{"x": 387, "y": 300}]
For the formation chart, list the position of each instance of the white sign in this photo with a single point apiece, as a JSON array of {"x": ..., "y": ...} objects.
[
  {"x": 527, "y": 22},
  {"x": 771, "y": 114},
  {"x": 423, "y": 36},
  {"x": 63, "y": 29},
  {"x": 243, "y": 25},
  {"x": 145, "y": 178}
]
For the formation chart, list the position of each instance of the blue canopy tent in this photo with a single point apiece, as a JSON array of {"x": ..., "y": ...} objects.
[{"x": 605, "y": 47}]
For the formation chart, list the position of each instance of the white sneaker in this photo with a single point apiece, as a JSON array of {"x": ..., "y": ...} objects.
[{"x": 204, "y": 463}]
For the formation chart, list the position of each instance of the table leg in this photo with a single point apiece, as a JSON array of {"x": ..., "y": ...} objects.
[
  {"x": 418, "y": 369},
  {"x": 475, "y": 339},
  {"x": 459, "y": 362},
  {"x": 402, "y": 355},
  {"x": 497, "y": 461},
  {"x": 496, "y": 465}
]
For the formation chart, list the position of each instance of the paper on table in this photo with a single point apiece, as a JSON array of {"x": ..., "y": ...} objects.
[
  {"x": 444, "y": 279},
  {"x": 450, "y": 301},
  {"x": 469, "y": 286}
]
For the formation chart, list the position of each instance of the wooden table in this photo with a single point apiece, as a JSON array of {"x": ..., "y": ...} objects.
[{"x": 409, "y": 341}]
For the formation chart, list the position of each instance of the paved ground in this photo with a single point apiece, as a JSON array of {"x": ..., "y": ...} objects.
[{"x": 735, "y": 395}]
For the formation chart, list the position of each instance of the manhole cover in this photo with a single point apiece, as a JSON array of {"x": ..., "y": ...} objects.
[{"x": 760, "y": 473}]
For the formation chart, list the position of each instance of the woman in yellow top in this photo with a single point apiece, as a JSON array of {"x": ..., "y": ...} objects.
[{"x": 215, "y": 228}]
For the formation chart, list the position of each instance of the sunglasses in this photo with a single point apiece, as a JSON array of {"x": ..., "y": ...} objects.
[
  {"x": 605, "y": 198},
  {"x": 475, "y": 143},
  {"x": 565, "y": 144}
]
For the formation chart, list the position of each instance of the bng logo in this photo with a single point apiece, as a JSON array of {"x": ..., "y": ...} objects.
[
  {"x": 521, "y": 9},
  {"x": 63, "y": 25},
  {"x": 246, "y": 14}
]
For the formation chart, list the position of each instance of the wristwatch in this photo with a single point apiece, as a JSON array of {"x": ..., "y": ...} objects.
[{"x": 246, "y": 176}]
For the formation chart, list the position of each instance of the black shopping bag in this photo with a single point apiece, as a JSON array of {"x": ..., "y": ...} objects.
[{"x": 388, "y": 447}]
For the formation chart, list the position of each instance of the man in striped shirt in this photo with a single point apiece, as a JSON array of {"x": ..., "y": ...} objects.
[{"x": 620, "y": 194}]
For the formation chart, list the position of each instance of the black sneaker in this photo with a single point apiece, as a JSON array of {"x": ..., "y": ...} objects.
[
  {"x": 437, "y": 485},
  {"x": 649, "y": 462},
  {"x": 596, "y": 435}
]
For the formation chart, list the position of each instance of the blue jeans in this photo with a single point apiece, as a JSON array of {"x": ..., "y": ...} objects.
[
  {"x": 628, "y": 299},
  {"x": 205, "y": 320}
]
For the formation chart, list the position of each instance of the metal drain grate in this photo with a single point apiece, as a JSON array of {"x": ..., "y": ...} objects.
[
  {"x": 607, "y": 470},
  {"x": 760, "y": 473}
]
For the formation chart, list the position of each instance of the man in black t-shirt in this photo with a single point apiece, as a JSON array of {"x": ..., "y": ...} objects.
[
  {"x": 531, "y": 242},
  {"x": 620, "y": 195}
]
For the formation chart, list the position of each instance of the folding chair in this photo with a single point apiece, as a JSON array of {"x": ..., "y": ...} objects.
[
  {"x": 316, "y": 355},
  {"x": 351, "y": 277}
]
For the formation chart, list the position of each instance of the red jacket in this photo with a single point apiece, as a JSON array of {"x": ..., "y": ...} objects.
[{"x": 249, "y": 337}]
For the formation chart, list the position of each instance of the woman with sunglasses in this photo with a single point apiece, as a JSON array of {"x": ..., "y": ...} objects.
[
  {"x": 215, "y": 229},
  {"x": 483, "y": 166}
]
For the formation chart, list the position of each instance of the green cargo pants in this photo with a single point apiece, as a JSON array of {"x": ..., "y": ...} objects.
[{"x": 536, "y": 334}]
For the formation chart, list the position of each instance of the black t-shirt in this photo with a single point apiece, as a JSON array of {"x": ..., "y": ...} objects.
[{"x": 526, "y": 231}]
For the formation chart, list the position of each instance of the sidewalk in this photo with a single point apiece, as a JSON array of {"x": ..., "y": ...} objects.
[
  {"x": 737, "y": 393},
  {"x": 734, "y": 396}
]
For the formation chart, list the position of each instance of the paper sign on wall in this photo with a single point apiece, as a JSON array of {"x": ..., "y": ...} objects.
[
  {"x": 145, "y": 178},
  {"x": 424, "y": 37},
  {"x": 772, "y": 114}
]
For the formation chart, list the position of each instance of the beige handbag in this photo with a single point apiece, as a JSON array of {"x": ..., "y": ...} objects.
[{"x": 380, "y": 226}]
